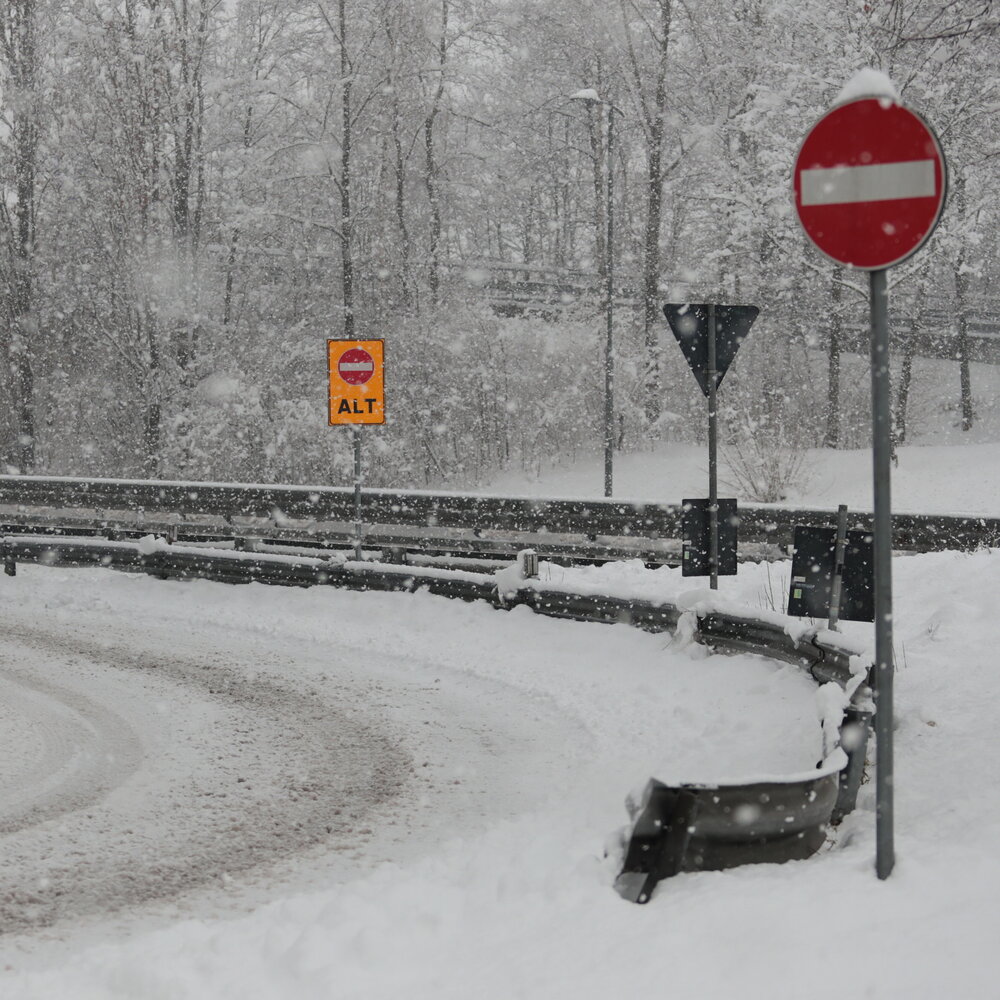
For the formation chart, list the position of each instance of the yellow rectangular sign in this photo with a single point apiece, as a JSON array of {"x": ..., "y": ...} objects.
[{"x": 357, "y": 381}]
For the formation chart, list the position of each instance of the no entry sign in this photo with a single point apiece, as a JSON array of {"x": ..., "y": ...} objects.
[
  {"x": 356, "y": 366},
  {"x": 357, "y": 381},
  {"x": 870, "y": 183},
  {"x": 870, "y": 186}
]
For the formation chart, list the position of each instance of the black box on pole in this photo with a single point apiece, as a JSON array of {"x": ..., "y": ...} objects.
[
  {"x": 813, "y": 565},
  {"x": 695, "y": 531}
]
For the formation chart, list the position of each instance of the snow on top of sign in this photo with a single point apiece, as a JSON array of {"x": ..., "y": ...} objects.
[{"x": 868, "y": 83}]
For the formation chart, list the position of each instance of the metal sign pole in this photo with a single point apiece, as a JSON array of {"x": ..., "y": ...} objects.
[
  {"x": 357, "y": 492},
  {"x": 713, "y": 460},
  {"x": 869, "y": 137},
  {"x": 881, "y": 457},
  {"x": 837, "y": 586}
]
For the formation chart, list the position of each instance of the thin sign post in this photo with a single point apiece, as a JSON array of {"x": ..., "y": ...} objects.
[
  {"x": 356, "y": 371},
  {"x": 709, "y": 336},
  {"x": 356, "y": 432},
  {"x": 885, "y": 856},
  {"x": 870, "y": 182},
  {"x": 838, "y": 568}
]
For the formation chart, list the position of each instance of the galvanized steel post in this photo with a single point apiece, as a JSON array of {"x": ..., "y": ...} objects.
[
  {"x": 837, "y": 585},
  {"x": 357, "y": 492},
  {"x": 881, "y": 458}
]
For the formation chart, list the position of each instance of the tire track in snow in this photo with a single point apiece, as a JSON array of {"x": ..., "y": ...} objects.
[
  {"x": 63, "y": 750},
  {"x": 231, "y": 771}
]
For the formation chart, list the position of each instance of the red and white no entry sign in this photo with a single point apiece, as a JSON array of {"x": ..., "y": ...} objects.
[
  {"x": 870, "y": 183},
  {"x": 356, "y": 366}
]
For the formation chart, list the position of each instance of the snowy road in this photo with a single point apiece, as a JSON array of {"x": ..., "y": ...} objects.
[
  {"x": 155, "y": 756},
  {"x": 146, "y": 767}
]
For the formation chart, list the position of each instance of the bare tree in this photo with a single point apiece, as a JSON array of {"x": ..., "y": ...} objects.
[
  {"x": 653, "y": 109},
  {"x": 433, "y": 81},
  {"x": 20, "y": 115}
]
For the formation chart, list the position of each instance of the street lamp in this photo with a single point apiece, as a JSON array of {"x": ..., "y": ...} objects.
[{"x": 590, "y": 96}]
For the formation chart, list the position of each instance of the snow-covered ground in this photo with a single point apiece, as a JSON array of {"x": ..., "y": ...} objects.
[
  {"x": 510, "y": 742},
  {"x": 928, "y": 479},
  {"x": 944, "y": 470}
]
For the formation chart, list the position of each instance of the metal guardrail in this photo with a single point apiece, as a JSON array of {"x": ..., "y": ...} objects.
[
  {"x": 698, "y": 828},
  {"x": 823, "y": 655},
  {"x": 673, "y": 829},
  {"x": 462, "y": 523}
]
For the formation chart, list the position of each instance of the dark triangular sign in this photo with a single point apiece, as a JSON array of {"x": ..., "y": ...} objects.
[{"x": 690, "y": 325}]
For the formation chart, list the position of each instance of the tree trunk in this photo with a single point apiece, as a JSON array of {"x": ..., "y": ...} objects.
[
  {"x": 652, "y": 319},
  {"x": 152, "y": 394},
  {"x": 400, "y": 204},
  {"x": 227, "y": 296},
  {"x": 346, "y": 220},
  {"x": 25, "y": 321},
  {"x": 234, "y": 240},
  {"x": 184, "y": 128},
  {"x": 21, "y": 54},
  {"x": 962, "y": 315},
  {"x": 430, "y": 161},
  {"x": 407, "y": 291},
  {"x": 903, "y": 393},
  {"x": 151, "y": 440},
  {"x": 430, "y": 180},
  {"x": 906, "y": 371},
  {"x": 964, "y": 369}
]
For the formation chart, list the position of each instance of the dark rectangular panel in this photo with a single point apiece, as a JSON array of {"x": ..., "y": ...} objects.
[
  {"x": 812, "y": 575},
  {"x": 695, "y": 533}
]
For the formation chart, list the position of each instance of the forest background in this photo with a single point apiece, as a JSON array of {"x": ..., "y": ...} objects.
[{"x": 196, "y": 194}]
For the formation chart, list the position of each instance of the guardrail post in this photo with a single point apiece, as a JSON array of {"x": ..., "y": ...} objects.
[
  {"x": 854, "y": 732},
  {"x": 838, "y": 568},
  {"x": 527, "y": 564},
  {"x": 9, "y": 562}
]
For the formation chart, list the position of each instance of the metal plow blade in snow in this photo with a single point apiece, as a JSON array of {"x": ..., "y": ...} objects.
[{"x": 688, "y": 828}]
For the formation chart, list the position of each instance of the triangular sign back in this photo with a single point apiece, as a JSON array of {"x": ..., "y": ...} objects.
[{"x": 690, "y": 325}]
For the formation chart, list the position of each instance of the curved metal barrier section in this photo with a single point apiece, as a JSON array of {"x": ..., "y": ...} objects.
[
  {"x": 673, "y": 828},
  {"x": 700, "y": 827}
]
